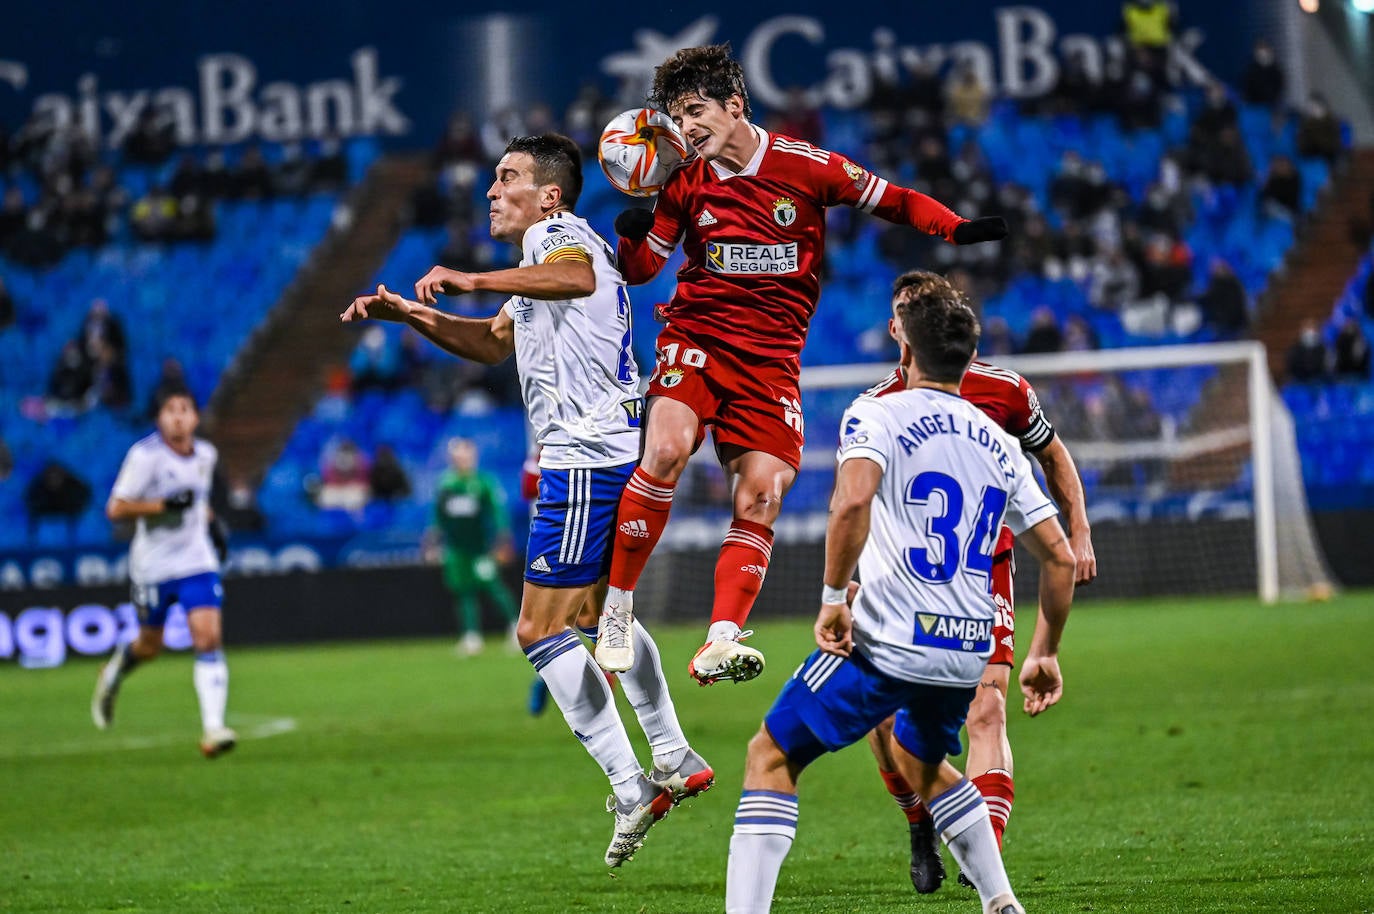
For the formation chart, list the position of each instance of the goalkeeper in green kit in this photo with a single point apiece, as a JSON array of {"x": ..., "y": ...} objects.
[{"x": 470, "y": 516}]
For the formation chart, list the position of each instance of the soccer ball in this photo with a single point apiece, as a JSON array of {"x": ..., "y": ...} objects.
[{"x": 639, "y": 149}]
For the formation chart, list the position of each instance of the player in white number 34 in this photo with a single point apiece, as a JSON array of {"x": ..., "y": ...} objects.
[{"x": 925, "y": 482}]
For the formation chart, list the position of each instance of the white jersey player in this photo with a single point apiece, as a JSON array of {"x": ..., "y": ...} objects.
[
  {"x": 568, "y": 323},
  {"x": 577, "y": 369},
  {"x": 924, "y": 483},
  {"x": 950, "y": 478},
  {"x": 164, "y": 487}
]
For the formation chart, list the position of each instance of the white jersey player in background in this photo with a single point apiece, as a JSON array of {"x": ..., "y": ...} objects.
[
  {"x": 568, "y": 324},
  {"x": 924, "y": 483},
  {"x": 164, "y": 485}
]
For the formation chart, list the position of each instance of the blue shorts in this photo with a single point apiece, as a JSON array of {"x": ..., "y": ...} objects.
[
  {"x": 831, "y": 702},
  {"x": 199, "y": 591},
  {"x": 574, "y": 525}
]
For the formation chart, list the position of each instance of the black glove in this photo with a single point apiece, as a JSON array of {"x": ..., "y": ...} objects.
[
  {"x": 634, "y": 223},
  {"x": 179, "y": 502},
  {"x": 219, "y": 535},
  {"x": 988, "y": 228}
]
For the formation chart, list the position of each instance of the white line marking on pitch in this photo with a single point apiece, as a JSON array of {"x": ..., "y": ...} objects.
[{"x": 250, "y": 726}]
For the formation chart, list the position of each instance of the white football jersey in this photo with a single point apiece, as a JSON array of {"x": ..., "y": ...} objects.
[
  {"x": 173, "y": 545},
  {"x": 577, "y": 370},
  {"x": 951, "y": 478}
]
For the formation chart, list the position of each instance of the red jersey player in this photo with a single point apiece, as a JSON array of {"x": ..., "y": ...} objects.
[
  {"x": 749, "y": 212},
  {"x": 1010, "y": 400}
]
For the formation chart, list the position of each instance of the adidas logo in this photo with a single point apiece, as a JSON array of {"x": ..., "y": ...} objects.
[
  {"x": 756, "y": 570},
  {"x": 636, "y": 528},
  {"x": 540, "y": 565},
  {"x": 705, "y": 219}
]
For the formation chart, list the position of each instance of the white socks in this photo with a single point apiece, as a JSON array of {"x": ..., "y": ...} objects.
[
  {"x": 211, "y": 676},
  {"x": 961, "y": 818},
  {"x": 579, "y": 688},
  {"x": 647, "y": 691},
  {"x": 723, "y": 631},
  {"x": 765, "y": 824}
]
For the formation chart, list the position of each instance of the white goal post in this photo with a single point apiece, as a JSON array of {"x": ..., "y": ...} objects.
[{"x": 1235, "y": 444}]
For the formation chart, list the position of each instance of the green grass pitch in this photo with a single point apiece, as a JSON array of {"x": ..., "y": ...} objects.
[{"x": 1209, "y": 755}]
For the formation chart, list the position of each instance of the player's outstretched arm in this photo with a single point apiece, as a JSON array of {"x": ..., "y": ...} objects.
[
  {"x": 1061, "y": 475},
  {"x": 1041, "y": 682},
  {"x": 486, "y": 340},
  {"x": 560, "y": 281},
  {"x": 905, "y": 206}
]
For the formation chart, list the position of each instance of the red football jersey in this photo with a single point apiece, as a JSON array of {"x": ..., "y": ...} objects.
[
  {"x": 1007, "y": 398},
  {"x": 754, "y": 240}
]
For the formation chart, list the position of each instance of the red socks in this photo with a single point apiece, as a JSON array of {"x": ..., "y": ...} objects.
[
  {"x": 639, "y": 522},
  {"x": 740, "y": 569},
  {"x": 906, "y": 798},
  {"x": 640, "y": 519},
  {"x": 996, "y": 788}
]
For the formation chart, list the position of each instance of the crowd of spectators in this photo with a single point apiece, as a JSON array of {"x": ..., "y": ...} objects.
[
  {"x": 1130, "y": 254},
  {"x": 1311, "y": 359},
  {"x": 63, "y": 192},
  {"x": 349, "y": 479},
  {"x": 90, "y": 370}
]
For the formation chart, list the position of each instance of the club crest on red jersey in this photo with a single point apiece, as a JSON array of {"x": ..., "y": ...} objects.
[
  {"x": 784, "y": 211},
  {"x": 671, "y": 378},
  {"x": 856, "y": 174}
]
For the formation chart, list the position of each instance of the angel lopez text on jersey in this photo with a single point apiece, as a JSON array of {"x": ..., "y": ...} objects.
[{"x": 951, "y": 478}]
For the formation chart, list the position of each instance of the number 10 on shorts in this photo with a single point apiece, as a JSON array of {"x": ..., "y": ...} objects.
[{"x": 692, "y": 358}]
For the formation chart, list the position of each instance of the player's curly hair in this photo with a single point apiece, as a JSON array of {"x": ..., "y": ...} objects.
[
  {"x": 708, "y": 70},
  {"x": 557, "y": 160},
  {"x": 937, "y": 324}
]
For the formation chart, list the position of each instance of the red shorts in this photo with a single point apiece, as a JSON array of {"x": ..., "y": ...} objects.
[
  {"x": 1004, "y": 625},
  {"x": 747, "y": 402}
]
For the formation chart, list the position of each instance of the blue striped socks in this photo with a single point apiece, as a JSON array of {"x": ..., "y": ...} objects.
[
  {"x": 579, "y": 689},
  {"x": 765, "y": 824},
  {"x": 961, "y": 818}
]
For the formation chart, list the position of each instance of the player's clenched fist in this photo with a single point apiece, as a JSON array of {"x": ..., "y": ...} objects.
[
  {"x": 442, "y": 281},
  {"x": 1041, "y": 683}
]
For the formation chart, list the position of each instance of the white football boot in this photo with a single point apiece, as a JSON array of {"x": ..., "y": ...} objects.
[
  {"x": 726, "y": 659},
  {"x": 218, "y": 741},
  {"x": 693, "y": 776},
  {"x": 633, "y": 823},
  {"x": 1004, "y": 904}
]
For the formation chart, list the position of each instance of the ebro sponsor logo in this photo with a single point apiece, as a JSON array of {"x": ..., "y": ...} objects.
[{"x": 751, "y": 259}]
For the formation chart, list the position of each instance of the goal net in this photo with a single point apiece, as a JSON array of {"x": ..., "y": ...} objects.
[{"x": 1188, "y": 459}]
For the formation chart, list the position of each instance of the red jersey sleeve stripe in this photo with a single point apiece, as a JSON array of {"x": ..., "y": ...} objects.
[
  {"x": 874, "y": 195},
  {"x": 660, "y": 247}
]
